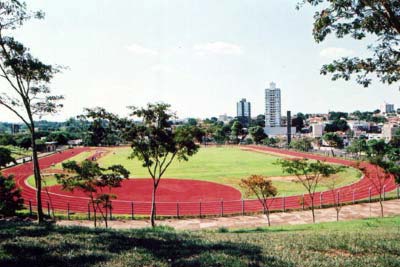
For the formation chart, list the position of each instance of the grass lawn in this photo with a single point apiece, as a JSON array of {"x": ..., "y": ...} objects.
[{"x": 364, "y": 243}]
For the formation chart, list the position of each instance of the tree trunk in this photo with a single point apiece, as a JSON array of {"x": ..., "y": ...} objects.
[
  {"x": 337, "y": 214},
  {"x": 266, "y": 212},
  {"x": 38, "y": 178},
  {"x": 312, "y": 209},
  {"x": 381, "y": 204},
  {"x": 153, "y": 206}
]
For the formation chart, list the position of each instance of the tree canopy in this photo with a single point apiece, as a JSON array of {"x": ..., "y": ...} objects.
[{"x": 360, "y": 19}]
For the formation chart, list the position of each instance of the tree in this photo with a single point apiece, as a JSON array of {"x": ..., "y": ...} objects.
[
  {"x": 192, "y": 122},
  {"x": 270, "y": 141},
  {"x": 380, "y": 172},
  {"x": 28, "y": 78},
  {"x": 262, "y": 188},
  {"x": 333, "y": 140},
  {"x": 332, "y": 184},
  {"x": 236, "y": 131},
  {"x": 385, "y": 166},
  {"x": 357, "y": 146},
  {"x": 104, "y": 128},
  {"x": 260, "y": 120},
  {"x": 5, "y": 157},
  {"x": 358, "y": 20},
  {"x": 156, "y": 144},
  {"x": 257, "y": 133},
  {"x": 309, "y": 174},
  {"x": 92, "y": 179},
  {"x": 10, "y": 196},
  {"x": 302, "y": 144}
]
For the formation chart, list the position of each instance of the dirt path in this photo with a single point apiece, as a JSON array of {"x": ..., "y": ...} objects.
[{"x": 359, "y": 211}]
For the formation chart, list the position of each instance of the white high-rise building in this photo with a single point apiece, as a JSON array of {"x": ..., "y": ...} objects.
[{"x": 272, "y": 106}]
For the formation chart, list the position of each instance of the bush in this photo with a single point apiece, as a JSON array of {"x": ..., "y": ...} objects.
[{"x": 10, "y": 196}]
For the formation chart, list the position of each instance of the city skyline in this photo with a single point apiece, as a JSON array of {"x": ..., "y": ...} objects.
[{"x": 153, "y": 51}]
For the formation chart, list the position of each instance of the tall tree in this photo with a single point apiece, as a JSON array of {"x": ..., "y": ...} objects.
[
  {"x": 359, "y": 19},
  {"x": 157, "y": 144},
  {"x": 309, "y": 174},
  {"x": 28, "y": 94}
]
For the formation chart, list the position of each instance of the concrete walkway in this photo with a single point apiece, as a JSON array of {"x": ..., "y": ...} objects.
[{"x": 359, "y": 211}]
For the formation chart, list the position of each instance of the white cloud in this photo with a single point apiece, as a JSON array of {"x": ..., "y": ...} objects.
[
  {"x": 335, "y": 52},
  {"x": 141, "y": 50},
  {"x": 220, "y": 48}
]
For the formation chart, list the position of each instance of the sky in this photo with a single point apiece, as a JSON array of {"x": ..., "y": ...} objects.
[{"x": 199, "y": 56}]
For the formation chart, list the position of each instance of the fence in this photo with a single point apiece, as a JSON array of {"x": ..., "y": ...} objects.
[{"x": 134, "y": 209}]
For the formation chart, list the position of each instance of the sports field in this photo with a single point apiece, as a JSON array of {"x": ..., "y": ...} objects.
[{"x": 225, "y": 165}]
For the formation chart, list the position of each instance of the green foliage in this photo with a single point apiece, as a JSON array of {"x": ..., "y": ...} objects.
[
  {"x": 91, "y": 179},
  {"x": 309, "y": 174},
  {"x": 257, "y": 133},
  {"x": 369, "y": 116},
  {"x": 302, "y": 144},
  {"x": 337, "y": 115},
  {"x": 378, "y": 20},
  {"x": 357, "y": 146},
  {"x": 236, "y": 131},
  {"x": 192, "y": 122},
  {"x": 337, "y": 125},
  {"x": 104, "y": 128},
  {"x": 333, "y": 140},
  {"x": 156, "y": 144},
  {"x": 10, "y": 196},
  {"x": 270, "y": 141},
  {"x": 5, "y": 157},
  {"x": 7, "y": 140}
]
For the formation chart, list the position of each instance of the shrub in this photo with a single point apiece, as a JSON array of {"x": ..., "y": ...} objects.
[{"x": 10, "y": 196}]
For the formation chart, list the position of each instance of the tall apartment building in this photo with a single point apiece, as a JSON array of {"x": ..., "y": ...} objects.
[
  {"x": 387, "y": 108},
  {"x": 243, "y": 111},
  {"x": 272, "y": 106}
]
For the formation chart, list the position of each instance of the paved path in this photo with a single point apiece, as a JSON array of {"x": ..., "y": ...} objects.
[{"x": 359, "y": 211}]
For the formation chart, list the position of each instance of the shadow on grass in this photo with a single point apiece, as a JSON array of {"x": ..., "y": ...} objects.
[{"x": 31, "y": 245}]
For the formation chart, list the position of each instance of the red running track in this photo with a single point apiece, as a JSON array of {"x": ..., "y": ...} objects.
[{"x": 173, "y": 203}]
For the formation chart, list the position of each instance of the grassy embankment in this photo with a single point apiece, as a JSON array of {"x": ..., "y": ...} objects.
[{"x": 372, "y": 242}]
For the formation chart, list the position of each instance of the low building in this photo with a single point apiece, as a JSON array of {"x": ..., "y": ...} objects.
[
  {"x": 389, "y": 131},
  {"x": 317, "y": 130},
  {"x": 50, "y": 146},
  {"x": 278, "y": 131},
  {"x": 357, "y": 125},
  {"x": 76, "y": 142}
]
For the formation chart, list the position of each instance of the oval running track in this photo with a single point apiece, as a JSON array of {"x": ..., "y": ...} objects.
[{"x": 60, "y": 202}]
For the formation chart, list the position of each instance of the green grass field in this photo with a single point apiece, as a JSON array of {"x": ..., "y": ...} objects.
[
  {"x": 360, "y": 243},
  {"x": 226, "y": 165}
]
